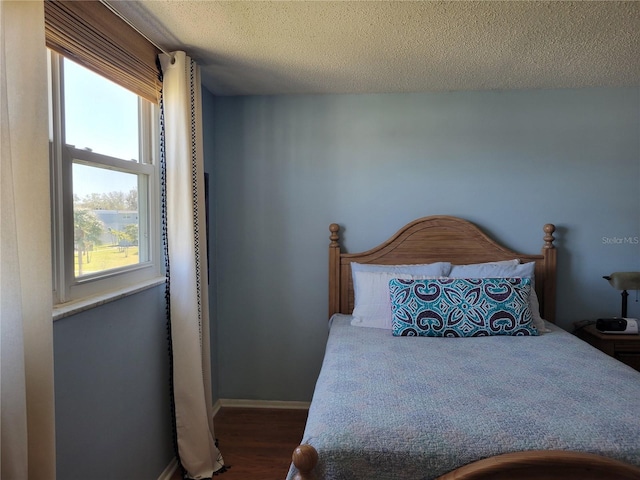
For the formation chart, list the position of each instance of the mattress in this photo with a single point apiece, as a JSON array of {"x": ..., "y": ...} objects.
[{"x": 392, "y": 408}]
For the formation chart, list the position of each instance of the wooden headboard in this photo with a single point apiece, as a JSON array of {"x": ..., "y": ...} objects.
[{"x": 439, "y": 239}]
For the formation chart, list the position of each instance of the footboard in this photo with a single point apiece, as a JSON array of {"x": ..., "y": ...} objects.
[
  {"x": 532, "y": 465},
  {"x": 547, "y": 465}
]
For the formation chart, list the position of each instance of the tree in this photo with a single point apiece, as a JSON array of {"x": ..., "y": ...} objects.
[
  {"x": 131, "y": 233},
  {"x": 127, "y": 237},
  {"x": 131, "y": 200},
  {"x": 130, "y": 237},
  {"x": 87, "y": 229},
  {"x": 116, "y": 200}
]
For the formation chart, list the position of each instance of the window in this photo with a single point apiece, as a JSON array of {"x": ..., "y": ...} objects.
[{"x": 104, "y": 181}]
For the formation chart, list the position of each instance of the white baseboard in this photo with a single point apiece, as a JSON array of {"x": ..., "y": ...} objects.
[
  {"x": 216, "y": 407},
  {"x": 168, "y": 472},
  {"x": 233, "y": 402}
]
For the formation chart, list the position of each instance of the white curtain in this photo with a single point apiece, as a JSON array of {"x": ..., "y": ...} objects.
[
  {"x": 26, "y": 328},
  {"x": 187, "y": 266}
]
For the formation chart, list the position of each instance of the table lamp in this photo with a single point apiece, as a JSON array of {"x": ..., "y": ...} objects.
[{"x": 624, "y": 281}]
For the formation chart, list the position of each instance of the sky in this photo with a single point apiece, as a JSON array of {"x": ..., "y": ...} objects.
[
  {"x": 88, "y": 180},
  {"x": 107, "y": 123}
]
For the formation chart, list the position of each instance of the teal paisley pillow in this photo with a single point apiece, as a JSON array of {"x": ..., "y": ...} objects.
[{"x": 461, "y": 307}]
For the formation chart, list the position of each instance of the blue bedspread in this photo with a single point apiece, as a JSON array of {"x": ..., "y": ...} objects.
[{"x": 394, "y": 408}]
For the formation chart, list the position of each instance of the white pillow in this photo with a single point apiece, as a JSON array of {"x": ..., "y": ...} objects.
[
  {"x": 433, "y": 269},
  {"x": 480, "y": 270},
  {"x": 505, "y": 269},
  {"x": 372, "y": 301}
]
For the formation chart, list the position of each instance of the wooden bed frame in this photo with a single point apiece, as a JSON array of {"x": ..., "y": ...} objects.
[
  {"x": 445, "y": 238},
  {"x": 439, "y": 239}
]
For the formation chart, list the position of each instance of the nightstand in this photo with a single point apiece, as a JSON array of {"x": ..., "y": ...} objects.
[{"x": 625, "y": 348}]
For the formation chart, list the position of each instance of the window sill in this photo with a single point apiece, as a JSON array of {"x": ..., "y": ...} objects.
[{"x": 63, "y": 310}]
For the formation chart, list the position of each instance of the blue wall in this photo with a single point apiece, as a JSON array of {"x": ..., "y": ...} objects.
[
  {"x": 208, "y": 125},
  {"x": 113, "y": 419},
  {"x": 285, "y": 167}
]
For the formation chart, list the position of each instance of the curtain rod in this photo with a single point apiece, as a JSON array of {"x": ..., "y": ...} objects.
[{"x": 124, "y": 19}]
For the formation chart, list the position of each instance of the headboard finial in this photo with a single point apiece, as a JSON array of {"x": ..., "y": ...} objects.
[
  {"x": 334, "y": 228},
  {"x": 549, "y": 228}
]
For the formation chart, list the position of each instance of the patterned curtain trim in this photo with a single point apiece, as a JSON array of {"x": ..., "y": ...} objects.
[
  {"x": 167, "y": 295},
  {"x": 194, "y": 181}
]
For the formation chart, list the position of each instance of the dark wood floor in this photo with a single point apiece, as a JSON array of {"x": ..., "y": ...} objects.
[{"x": 257, "y": 442}]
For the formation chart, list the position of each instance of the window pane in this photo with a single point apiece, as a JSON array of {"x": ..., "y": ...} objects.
[
  {"x": 99, "y": 115},
  {"x": 106, "y": 220}
]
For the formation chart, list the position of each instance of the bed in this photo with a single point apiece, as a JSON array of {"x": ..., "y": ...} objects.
[{"x": 389, "y": 405}]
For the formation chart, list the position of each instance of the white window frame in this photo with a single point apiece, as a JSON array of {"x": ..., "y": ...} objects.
[{"x": 108, "y": 283}]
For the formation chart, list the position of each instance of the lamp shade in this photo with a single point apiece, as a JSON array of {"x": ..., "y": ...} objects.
[{"x": 624, "y": 280}]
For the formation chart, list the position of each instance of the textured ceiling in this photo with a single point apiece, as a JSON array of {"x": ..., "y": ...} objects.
[{"x": 289, "y": 47}]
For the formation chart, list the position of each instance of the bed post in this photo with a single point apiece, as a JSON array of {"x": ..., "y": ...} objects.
[
  {"x": 334, "y": 270},
  {"x": 304, "y": 458},
  {"x": 549, "y": 251}
]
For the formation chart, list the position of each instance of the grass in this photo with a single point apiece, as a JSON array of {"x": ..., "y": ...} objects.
[{"x": 106, "y": 257}]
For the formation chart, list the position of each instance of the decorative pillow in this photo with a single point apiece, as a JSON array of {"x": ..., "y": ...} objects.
[
  {"x": 461, "y": 307},
  {"x": 509, "y": 268},
  {"x": 372, "y": 306}
]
